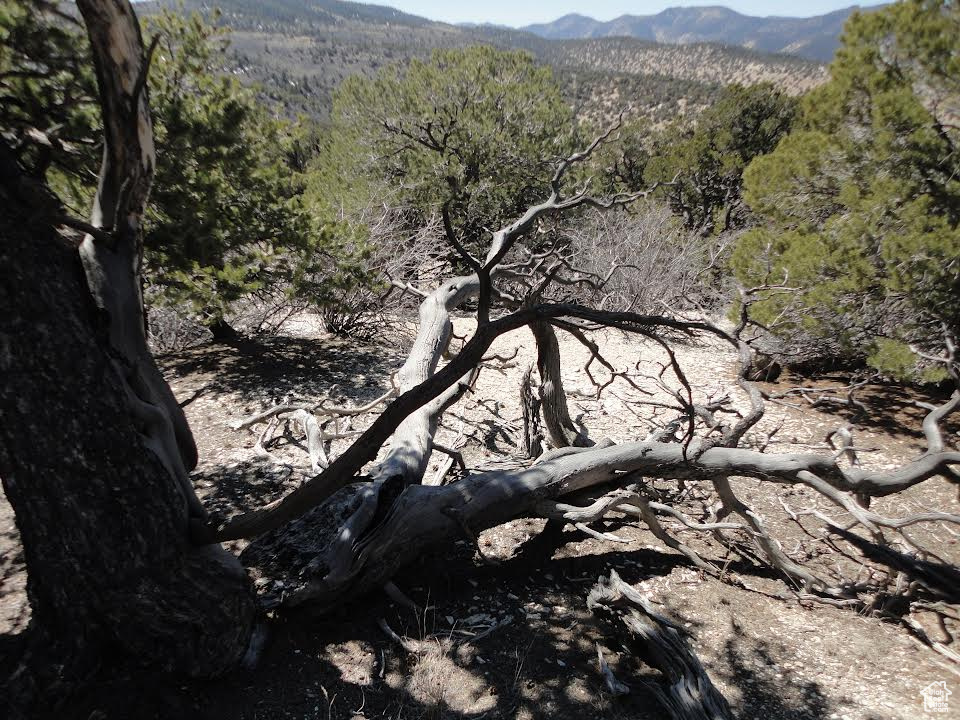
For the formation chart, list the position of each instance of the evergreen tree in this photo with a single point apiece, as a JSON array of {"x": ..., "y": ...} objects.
[
  {"x": 708, "y": 159},
  {"x": 476, "y": 129},
  {"x": 226, "y": 216},
  {"x": 862, "y": 200}
]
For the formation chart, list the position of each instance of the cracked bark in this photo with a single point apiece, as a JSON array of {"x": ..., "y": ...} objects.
[
  {"x": 556, "y": 415},
  {"x": 94, "y": 450}
]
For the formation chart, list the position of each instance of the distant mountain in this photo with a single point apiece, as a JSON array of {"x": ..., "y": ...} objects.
[
  {"x": 813, "y": 38},
  {"x": 307, "y": 12},
  {"x": 299, "y": 51}
]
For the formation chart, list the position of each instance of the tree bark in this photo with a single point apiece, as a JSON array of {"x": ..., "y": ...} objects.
[
  {"x": 532, "y": 442},
  {"x": 556, "y": 415},
  {"x": 111, "y": 573},
  {"x": 687, "y": 692},
  {"x": 94, "y": 450},
  {"x": 113, "y": 266},
  {"x": 223, "y": 331}
]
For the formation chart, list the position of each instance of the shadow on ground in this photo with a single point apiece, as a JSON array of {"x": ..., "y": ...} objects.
[
  {"x": 542, "y": 664},
  {"x": 882, "y": 407},
  {"x": 267, "y": 369}
]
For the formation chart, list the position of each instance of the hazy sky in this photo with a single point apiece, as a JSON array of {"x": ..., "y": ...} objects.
[{"x": 524, "y": 12}]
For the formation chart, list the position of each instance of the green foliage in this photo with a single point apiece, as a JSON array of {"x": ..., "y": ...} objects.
[
  {"x": 478, "y": 127},
  {"x": 225, "y": 218},
  {"x": 863, "y": 199},
  {"x": 48, "y": 110},
  {"x": 892, "y": 357},
  {"x": 708, "y": 159}
]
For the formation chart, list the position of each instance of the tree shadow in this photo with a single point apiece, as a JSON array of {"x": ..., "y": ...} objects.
[
  {"x": 887, "y": 407},
  {"x": 538, "y": 661},
  {"x": 242, "y": 486},
  {"x": 266, "y": 369},
  {"x": 767, "y": 690}
]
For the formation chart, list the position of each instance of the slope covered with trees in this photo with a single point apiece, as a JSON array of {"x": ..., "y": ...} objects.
[{"x": 300, "y": 54}]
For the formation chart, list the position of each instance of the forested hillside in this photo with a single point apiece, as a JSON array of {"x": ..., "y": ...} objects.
[{"x": 300, "y": 54}]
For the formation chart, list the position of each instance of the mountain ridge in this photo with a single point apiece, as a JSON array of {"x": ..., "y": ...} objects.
[
  {"x": 298, "y": 53},
  {"x": 813, "y": 38}
]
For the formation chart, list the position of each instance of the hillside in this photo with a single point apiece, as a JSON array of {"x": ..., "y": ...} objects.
[
  {"x": 300, "y": 53},
  {"x": 703, "y": 63},
  {"x": 814, "y": 38}
]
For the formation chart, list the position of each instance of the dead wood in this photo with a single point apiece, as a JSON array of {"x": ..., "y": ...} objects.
[
  {"x": 532, "y": 440},
  {"x": 687, "y": 693}
]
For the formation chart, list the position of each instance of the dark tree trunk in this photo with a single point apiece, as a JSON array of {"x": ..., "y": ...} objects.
[
  {"x": 102, "y": 522},
  {"x": 223, "y": 331},
  {"x": 94, "y": 450},
  {"x": 532, "y": 443}
]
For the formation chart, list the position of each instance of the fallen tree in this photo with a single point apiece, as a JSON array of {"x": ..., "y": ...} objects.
[{"x": 346, "y": 531}]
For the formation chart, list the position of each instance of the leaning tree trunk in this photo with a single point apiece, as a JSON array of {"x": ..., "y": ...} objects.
[
  {"x": 102, "y": 523},
  {"x": 94, "y": 450}
]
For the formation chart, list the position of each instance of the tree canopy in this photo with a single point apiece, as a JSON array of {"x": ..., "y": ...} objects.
[
  {"x": 476, "y": 129},
  {"x": 48, "y": 113},
  {"x": 706, "y": 157},
  {"x": 862, "y": 199},
  {"x": 225, "y": 217}
]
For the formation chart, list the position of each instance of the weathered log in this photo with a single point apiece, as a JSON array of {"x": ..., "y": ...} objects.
[
  {"x": 687, "y": 692},
  {"x": 532, "y": 441},
  {"x": 384, "y": 526},
  {"x": 440, "y": 388}
]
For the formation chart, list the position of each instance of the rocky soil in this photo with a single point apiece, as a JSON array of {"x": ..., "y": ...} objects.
[{"x": 514, "y": 640}]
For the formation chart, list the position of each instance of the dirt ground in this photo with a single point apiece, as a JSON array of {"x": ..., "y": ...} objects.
[{"x": 514, "y": 640}]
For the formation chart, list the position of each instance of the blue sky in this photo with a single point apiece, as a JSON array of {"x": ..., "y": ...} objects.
[{"x": 524, "y": 12}]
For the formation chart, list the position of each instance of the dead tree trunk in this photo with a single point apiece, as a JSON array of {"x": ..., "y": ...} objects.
[
  {"x": 94, "y": 450},
  {"x": 339, "y": 535},
  {"x": 689, "y": 692},
  {"x": 556, "y": 415},
  {"x": 412, "y": 441},
  {"x": 531, "y": 443},
  {"x": 113, "y": 260}
]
